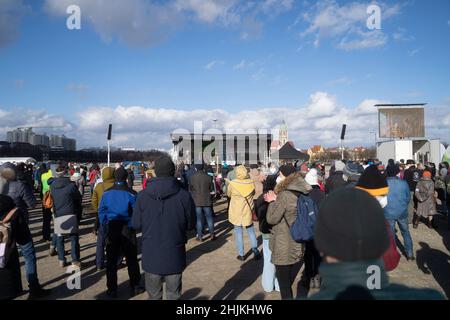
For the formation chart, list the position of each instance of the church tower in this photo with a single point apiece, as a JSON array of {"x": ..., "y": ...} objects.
[{"x": 283, "y": 134}]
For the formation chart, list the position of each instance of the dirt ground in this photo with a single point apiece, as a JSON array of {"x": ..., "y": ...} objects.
[{"x": 213, "y": 271}]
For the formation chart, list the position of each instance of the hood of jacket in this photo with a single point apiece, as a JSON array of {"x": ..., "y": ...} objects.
[
  {"x": 8, "y": 171},
  {"x": 162, "y": 187},
  {"x": 59, "y": 183},
  {"x": 108, "y": 174},
  {"x": 242, "y": 184},
  {"x": 294, "y": 182}
]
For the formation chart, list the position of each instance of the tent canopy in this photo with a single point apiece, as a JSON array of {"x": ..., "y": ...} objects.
[{"x": 288, "y": 152}]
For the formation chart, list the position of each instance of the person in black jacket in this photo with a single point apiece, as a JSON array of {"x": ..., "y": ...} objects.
[
  {"x": 164, "y": 212},
  {"x": 411, "y": 176},
  {"x": 201, "y": 186},
  {"x": 10, "y": 278},
  {"x": 23, "y": 197},
  {"x": 312, "y": 256},
  {"x": 268, "y": 280},
  {"x": 67, "y": 214}
]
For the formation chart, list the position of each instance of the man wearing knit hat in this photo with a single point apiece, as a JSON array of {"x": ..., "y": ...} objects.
[
  {"x": 351, "y": 235},
  {"x": 374, "y": 183},
  {"x": 396, "y": 211},
  {"x": 114, "y": 213},
  {"x": 164, "y": 212}
]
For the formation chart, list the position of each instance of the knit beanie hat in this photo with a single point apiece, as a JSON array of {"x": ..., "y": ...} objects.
[
  {"x": 120, "y": 174},
  {"x": 350, "y": 226},
  {"x": 287, "y": 169},
  {"x": 339, "y": 165},
  {"x": 200, "y": 166},
  {"x": 164, "y": 167},
  {"x": 312, "y": 177},
  {"x": 373, "y": 182},
  {"x": 352, "y": 169},
  {"x": 392, "y": 170}
]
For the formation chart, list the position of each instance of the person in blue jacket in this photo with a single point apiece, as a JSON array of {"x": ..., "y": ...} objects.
[
  {"x": 115, "y": 212},
  {"x": 396, "y": 211},
  {"x": 164, "y": 212}
]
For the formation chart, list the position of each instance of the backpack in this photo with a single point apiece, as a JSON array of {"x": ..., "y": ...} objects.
[
  {"x": 6, "y": 244},
  {"x": 47, "y": 201},
  {"x": 303, "y": 228}
]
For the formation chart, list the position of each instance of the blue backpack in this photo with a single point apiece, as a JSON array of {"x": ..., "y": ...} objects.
[{"x": 303, "y": 228}]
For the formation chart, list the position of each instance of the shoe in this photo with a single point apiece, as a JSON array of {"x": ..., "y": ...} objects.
[
  {"x": 62, "y": 264},
  {"x": 136, "y": 290},
  {"x": 257, "y": 255},
  {"x": 39, "y": 293},
  {"x": 412, "y": 258},
  {"x": 99, "y": 268},
  {"x": 213, "y": 238},
  {"x": 430, "y": 224},
  {"x": 199, "y": 239},
  {"x": 51, "y": 252},
  {"x": 77, "y": 264},
  {"x": 111, "y": 294},
  {"x": 240, "y": 258}
]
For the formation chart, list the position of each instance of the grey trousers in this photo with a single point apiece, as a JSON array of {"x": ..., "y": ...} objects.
[{"x": 154, "y": 286}]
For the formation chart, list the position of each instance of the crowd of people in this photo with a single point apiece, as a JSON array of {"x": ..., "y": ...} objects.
[{"x": 337, "y": 222}]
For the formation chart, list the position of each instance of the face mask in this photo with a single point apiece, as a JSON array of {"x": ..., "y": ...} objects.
[
  {"x": 273, "y": 170},
  {"x": 383, "y": 201}
]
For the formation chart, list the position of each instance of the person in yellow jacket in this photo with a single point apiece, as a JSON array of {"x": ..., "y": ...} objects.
[
  {"x": 241, "y": 192},
  {"x": 100, "y": 188}
]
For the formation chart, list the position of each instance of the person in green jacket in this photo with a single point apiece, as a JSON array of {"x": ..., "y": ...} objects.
[
  {"x": 351, "y": 235},
  {"x": 47, "y": 213}
]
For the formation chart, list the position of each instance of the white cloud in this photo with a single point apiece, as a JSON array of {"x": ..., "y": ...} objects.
[
  {"x": 317, "y": 122},
  {"x": 321, "y": 104},
  {"x": 259, "y": 75},
  {"x": 345, "y": 24},
  {"x": 211, "y": 65},
  {"x": 147, "y": 22},
  {"x": 134, "y": 22},
  {"x": 11, "y": 14}
]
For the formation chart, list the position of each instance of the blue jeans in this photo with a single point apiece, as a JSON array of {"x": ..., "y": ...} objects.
[
  {"x": 75, "y": 247},
  {"x": 269, "y": 280},
  {"x": 209, "y": 219},
  {"x": 29, "y": 255},
  {"x": 100, "y": 251},
  {"x": 404, "y": 229},
  {"x": 239, "y": 237}
]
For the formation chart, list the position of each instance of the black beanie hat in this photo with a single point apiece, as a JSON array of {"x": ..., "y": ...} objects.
[
  {"x": 287, "y": 169},
  {"x": 200, "y": 167},
  {"x": 164, "y": 167},
  {"x": 120, "y": 174},
  {"x": 392, "y": 170},
  {"x": 373, "y": 182},
  {"x": 351, "y": 226}
]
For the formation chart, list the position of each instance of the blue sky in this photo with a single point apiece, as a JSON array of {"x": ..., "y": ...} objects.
[{"x": 225, "y": 59}]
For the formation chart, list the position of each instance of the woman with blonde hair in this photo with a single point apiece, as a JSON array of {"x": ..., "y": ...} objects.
[{"x": 241, "y": 192}]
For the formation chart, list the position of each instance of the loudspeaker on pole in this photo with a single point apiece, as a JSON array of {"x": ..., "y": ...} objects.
[
  {"x": 109, "y": 131},
  {"x": 344, "y": 128}
]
